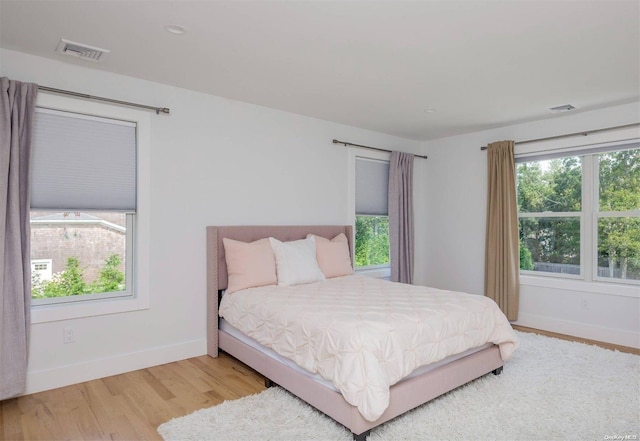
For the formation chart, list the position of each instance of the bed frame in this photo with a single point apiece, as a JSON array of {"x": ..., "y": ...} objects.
[{"x": 405, "y": 395}]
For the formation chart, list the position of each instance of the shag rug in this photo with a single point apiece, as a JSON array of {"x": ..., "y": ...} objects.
[{"x": 550, "y": 390}]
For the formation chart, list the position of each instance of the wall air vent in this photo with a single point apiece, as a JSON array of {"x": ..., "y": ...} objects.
[
  {"x": 80, "y": 50},
  {"x": 560, "y": 109}
]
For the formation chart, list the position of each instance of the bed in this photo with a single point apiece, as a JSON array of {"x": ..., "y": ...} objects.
[{"x": 421, "y": 386}]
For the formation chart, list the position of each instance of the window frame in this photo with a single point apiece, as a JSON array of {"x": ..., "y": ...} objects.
[
  {"x": 36, "y": 262},
  {"x": 596, "y": 215},
  {"x": 137, "y": 225},
  {"x": 588, "y": 280},
  {"x": 376, "y": 271}
]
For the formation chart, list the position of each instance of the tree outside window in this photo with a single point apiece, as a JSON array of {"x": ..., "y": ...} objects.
[{"x": 372, "y": 241}]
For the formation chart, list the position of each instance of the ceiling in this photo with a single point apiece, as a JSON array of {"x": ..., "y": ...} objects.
[{"x": 419, "y": 70}]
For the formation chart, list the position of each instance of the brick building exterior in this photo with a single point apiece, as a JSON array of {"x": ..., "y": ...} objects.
[{"x": 91, "y": 238}]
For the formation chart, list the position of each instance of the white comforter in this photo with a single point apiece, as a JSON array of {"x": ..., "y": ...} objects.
[{"x": 365, "y": 334}]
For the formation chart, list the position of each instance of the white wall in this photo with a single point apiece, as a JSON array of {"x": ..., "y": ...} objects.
[
  {"x": 214, "y": 161},
  {"x": 219, "y": 161},
  {"x": 455, "y": 232}
]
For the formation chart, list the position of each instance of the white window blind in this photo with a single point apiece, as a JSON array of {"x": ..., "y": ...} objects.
[
  {"x": 82, "y": 162},
  {"x": 372, "y": 187}
]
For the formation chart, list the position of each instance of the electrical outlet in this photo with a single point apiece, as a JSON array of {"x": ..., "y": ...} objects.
[
  {"x": 68, "y": 335},
  {"x": 585, "y": 305}
]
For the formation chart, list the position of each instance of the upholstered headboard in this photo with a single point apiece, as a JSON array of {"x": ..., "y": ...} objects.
[{"x": 217, "y": 265}]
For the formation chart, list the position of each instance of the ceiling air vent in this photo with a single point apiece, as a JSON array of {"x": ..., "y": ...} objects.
[
  {"x": 560, "y": 109},
  {"x": 80, "y": 50}
]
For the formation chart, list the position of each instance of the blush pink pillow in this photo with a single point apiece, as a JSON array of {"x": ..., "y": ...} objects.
[
  {"x": 249, "y": 264},
  {"x": 333, "y": 256}
]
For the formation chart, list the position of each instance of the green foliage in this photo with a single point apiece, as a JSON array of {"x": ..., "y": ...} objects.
[
  {"x": 556, "y": 187},
  {"x": 532, "y": 187},
  {"x": 526, "y": 262},
  {"x": 551, "y": 240},
  {"x": 620, "y": 180},
  {"x": 111, "y": 279},
  {"x": 566, "y": 185},
  {"x": 70, "y": 281},
  {"x": 372, "y": 240}
]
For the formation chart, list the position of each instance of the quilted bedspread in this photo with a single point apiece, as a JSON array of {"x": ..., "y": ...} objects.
[{"x": 365, "y": 334}]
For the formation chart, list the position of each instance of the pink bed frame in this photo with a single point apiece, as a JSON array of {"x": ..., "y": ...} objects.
[{"x": 405, "y": 395}]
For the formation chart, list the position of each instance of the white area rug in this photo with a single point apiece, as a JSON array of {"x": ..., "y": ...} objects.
[{"x": 550, "y": 390}]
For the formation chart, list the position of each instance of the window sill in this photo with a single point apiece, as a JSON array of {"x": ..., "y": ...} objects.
[
  {"x": 381, "y": 272},
  {"x": 606, "y": 288},
  {"x": 67, "y": 311}
]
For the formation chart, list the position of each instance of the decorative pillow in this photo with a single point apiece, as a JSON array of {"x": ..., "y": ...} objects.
[
  {"x": 333, "y": 255},
  {"x": 249, "y": 264},
  {"x": 296, "y": 261}
]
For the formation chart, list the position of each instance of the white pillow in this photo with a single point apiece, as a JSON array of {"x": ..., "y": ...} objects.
[{"x": 296, "y": 261}]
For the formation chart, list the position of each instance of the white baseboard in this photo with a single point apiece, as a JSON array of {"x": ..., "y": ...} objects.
[
  {"x": 60, "y": 376},
  {"x": 576, "y": 329}
]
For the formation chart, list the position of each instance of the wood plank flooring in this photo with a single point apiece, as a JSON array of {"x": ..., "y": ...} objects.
[
  {"x": 610, "y": 346},
  {"x": 128, "y": 406},
  {"x": 131, "y": 406}
]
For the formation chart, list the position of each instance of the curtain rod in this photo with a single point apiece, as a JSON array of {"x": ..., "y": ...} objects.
[
  {"x": 335, "y": 141},
  {"x": 586, "y": 133},
  {"x": 158, "y": 110}
]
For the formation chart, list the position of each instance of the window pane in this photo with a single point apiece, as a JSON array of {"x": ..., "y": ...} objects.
[
  {"x": 619, "y": 247},
  {"x": 372, "y": 240},
  {"x": 554, "y": 185},
  {"x": 550, "y": 244},
  {"x": 85, "y": 253},
  {"x": 619, "y": 180}
]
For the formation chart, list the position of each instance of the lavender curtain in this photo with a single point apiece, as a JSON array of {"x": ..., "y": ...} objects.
[
  {"x": 17, "y": 108},
  {"x": 401, "y": 216},
  {"x": 502, "y": 255}
]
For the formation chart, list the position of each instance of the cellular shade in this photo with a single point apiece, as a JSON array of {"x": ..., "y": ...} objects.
[
  {"x": 82, "y": 162},
  {"x": 372, "y": 187}
]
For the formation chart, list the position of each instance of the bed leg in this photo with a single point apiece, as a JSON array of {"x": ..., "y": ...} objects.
[
  {"x": 268, "y": 383},
  {"x": 361, "y": 437},
  {"x": 497, "y": 371}
]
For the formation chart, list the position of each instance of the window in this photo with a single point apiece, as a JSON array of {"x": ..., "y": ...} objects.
[
  {"x": 579, "y": 215},
  {"x": 83, "y": 203},
  {"x": 371, "y": 209},
  {"x": 89, "y": 208},
  {"x": 41, "y": 269}
]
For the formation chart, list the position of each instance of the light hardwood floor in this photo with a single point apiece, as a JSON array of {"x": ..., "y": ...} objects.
[
  {"x": 131, "y": 406},
  {"x": 128, "y": 406},
  {"x": 610, "y": 346}
]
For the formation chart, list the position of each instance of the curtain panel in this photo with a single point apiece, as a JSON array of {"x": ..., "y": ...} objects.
[
  {"x": 17, "y": 109},
  {"x": 502, "y": 258},
  {"x": 401, "y": 247}
]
